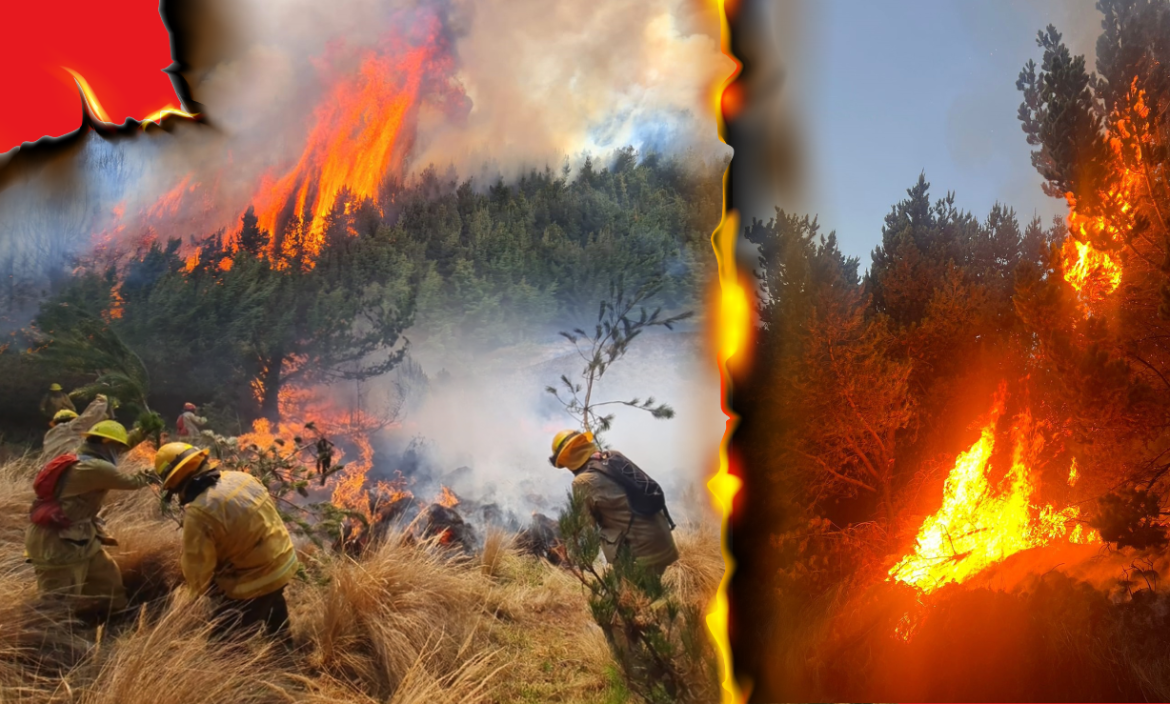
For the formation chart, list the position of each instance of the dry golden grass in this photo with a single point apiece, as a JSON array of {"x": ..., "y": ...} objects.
[{"x": 400, "y": 624}]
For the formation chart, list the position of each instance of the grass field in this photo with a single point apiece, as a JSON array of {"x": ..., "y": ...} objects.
[{"x": 399, "y": 624}]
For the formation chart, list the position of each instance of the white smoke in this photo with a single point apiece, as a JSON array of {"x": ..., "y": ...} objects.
[{"x": 492, "y": 419}]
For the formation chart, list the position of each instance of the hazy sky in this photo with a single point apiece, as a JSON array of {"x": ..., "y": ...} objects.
[{"x": 885, "y": 90}]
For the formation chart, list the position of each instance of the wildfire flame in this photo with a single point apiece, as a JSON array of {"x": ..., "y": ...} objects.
[
  {"x": 355, "y": 141},
  {"x": 980, "y": 524},
  {"x": 1094, "y": 270},
  {"x": 299, "y": 406},
  {"x": 447, "y": 498},
  {"x": 1093, "y": 273}
]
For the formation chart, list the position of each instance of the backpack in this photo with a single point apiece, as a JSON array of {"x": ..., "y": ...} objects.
[
  {"x": 46, "y": 510},
  {"x": 644, "y": 494},
  {"x": 181, "y": 426}
]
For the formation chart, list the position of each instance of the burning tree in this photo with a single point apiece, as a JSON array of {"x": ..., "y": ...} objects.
[{"x": 342, "y": 319}]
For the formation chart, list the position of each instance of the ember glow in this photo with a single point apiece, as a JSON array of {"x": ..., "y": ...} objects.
[
  {"x": 732, "y": 329},
  {"x": 981, "y": 523},
  {"x": 91, "y": 101}
]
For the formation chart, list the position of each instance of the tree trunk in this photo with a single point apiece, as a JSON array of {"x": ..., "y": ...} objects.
[{"x": 270, "y": 403}]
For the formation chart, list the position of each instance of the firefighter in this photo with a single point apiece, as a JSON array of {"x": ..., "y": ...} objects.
[
  {"x": 189, "y": 425},
  {"x": 234, "y": 541},
  {"x": 67, "y": 550},
  {"x": 324, "y": 457},
  {"x": 648, "y": 537},
  {"x": 56, "y": 400},
  {"x": 67, "y": 428}
]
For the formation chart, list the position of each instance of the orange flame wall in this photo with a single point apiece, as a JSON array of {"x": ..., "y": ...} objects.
[{"x": 732, "y": 331}]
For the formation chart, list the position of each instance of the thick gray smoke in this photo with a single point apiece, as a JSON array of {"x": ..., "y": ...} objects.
[{"x": 484, "y": 423}]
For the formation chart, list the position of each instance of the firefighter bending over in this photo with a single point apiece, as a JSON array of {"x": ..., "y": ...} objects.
[
  {"x": 232, "y": 536},
  {"x": 627, "y": 505},
  {"x": 65, "y": 541}
]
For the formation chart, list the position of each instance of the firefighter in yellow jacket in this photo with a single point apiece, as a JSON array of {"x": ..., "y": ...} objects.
[
  {"x": 56, "y": 400},
  {"x": 649, "y": 537},
  {"x": 234, "y": 541},
  {"x": 72, "y": 560}
]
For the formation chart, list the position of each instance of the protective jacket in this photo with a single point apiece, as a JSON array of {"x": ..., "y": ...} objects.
[
  {"x": 189, "y": 425},
  {"x": 233, "y": 534},
  {"x": 65, "y": 437},
  {"x": 56, "y": 401},
  {"x": 649, "y": 537},
  {"x": 73, "y": 558}
]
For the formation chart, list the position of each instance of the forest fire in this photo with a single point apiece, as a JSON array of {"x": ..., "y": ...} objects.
[
  {"x": 360, "y": 133},
  {"x": 1094, "y": 274},
  {"x": 357, "y": 138},
  {"x": 303, "y": 410},
  {"x": 1090, "y": 254},
  {"x": 979, "y": 523}
]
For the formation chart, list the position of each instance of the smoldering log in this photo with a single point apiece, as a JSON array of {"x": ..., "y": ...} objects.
[
  {"x": 541, "y": 538},
  {"x": 444, "y": 523}
]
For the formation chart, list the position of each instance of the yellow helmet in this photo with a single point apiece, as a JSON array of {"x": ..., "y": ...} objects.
[
  {"x": 109, "y": 430},
  {"x": 176, "y": 461},
  {"x": 561, "y": 437},
  {"x": 63, "y": 416},
  {"x": 54, "y": 387},
  {"x": 564, "y": 442}
]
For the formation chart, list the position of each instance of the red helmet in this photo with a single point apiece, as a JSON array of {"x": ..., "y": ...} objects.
[{"x": 188, "y": 406}]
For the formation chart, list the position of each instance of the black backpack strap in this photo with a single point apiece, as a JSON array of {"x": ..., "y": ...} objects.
[{"x": 594, "y": 468}]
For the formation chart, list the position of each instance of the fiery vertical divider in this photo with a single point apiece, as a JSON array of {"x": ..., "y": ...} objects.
[{"x": 733, "y": 321}]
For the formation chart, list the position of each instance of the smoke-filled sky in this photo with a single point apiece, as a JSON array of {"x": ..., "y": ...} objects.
[
  {"x": 884, "y": 91},
  {"x": 544, "y": 80}
]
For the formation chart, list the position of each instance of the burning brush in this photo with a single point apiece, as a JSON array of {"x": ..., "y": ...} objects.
[{"x": 980, "y": 523}]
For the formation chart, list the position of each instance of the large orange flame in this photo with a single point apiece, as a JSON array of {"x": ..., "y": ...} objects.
[
  {"x": 354, "y": 143},
  {"x": 981, "y": 523},
  {"x": 447, "y": 498},
  {"x": 733, "y": 325}
]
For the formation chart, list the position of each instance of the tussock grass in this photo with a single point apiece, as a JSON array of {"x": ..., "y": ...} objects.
[{"x": 399, "y": 624}]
